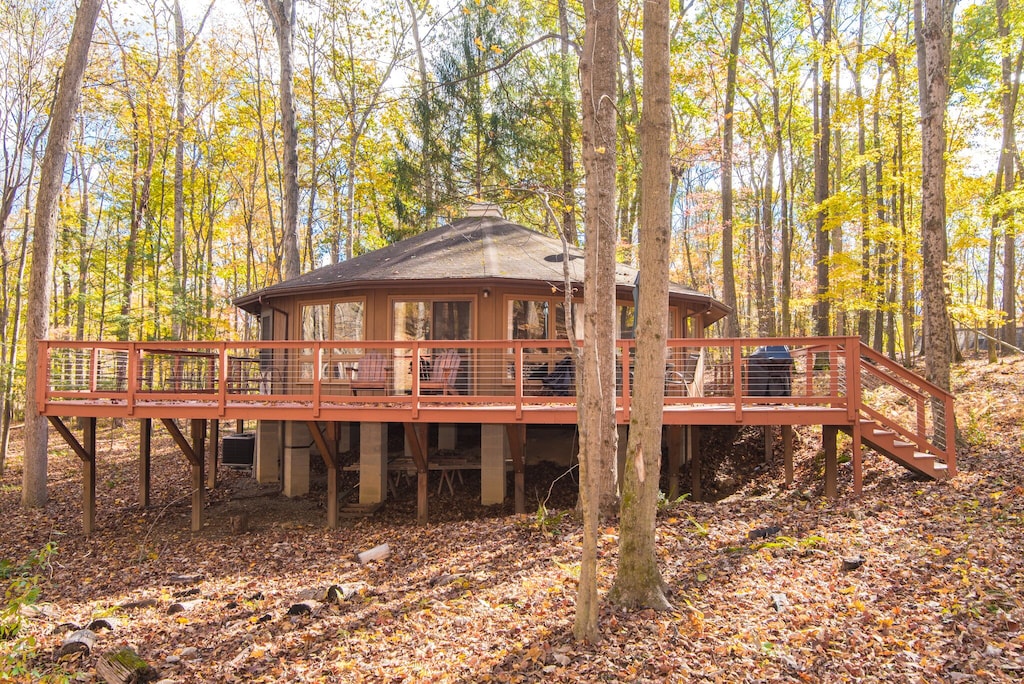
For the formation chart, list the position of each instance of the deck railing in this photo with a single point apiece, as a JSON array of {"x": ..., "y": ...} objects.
[
  {"x": 834, "y": 380},
  {"x": 723, "y": 373}
]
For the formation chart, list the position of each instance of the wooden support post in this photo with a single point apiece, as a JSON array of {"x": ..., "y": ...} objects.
[
  {"x": 675, "y": 447},
  {"x": 87, "y": 454},
  {"x": 695, "y": 458},
  {"x": 89, "y": 477},
  {"x": 145, "y": 459},
  {"x": 416, "y": 439},
  {"x": 787, "y": 452},
  {"x": 198, "y": 479},
  {"x": 829, "y": 434},
  {"x": 327, "y": 452},
  {"x": 211, "y": 454},
  {"x": 856, "y": 455},
  {"x": 517, "y": 447},
  {"x": 769, "y": 443}
]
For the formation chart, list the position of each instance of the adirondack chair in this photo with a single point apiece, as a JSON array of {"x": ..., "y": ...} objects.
[
  {"x": 444, "y": 370},
  {"x": 371, "y": 373}
]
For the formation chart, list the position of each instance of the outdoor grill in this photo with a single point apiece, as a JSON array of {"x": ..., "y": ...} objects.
[{"x": 769, "y": 372}]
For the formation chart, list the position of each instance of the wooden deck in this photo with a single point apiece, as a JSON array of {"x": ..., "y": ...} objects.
[{"x": 835, "y": 382}]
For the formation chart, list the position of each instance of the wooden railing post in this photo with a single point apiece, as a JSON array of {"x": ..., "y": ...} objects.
[
  {"x": 950, "y": 445},
  {"x": 222, "y": 378},
  {"x": 518, "y": 369},
  {"x": 737, "y": 377},
  {"x": 132, "y": 379},
  {"x": 42, "y": 375}
]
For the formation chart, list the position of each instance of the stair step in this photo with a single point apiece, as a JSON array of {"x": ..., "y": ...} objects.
[
  {"x": 901, "y": 443},
  {"x": 882, "y": 433}
]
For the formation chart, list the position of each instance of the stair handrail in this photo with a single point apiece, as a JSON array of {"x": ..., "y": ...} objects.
[{"x": 920, "y": 389}]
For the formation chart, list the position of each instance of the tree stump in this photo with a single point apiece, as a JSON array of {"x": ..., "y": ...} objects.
[{"x": 124, "y": 667}]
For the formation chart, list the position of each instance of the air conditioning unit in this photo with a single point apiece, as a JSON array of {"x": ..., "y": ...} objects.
[{"x": 237, "y": 450}]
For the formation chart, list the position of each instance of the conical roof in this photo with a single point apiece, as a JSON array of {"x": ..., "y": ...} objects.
[{"x": 471, "y": 249}]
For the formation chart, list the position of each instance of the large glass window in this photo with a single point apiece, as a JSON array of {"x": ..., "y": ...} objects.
[
  {"x": 315, "y": 321},
  {"x": 431, "y": 320},
  {"x": 338, "y": 320},
  {"x": 528, "y": 319}
]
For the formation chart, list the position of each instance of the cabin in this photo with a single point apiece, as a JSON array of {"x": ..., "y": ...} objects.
[
  {"x": 468, "y": 328},
  {"x": 478, "y": 278}
]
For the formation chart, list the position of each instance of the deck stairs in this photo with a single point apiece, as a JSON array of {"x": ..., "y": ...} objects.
[
  {"x": 885, "y": 440},
  {"x": 904, "y": 417}
]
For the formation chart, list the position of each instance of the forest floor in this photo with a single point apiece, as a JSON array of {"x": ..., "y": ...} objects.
[{"x": 482, "y": 595}]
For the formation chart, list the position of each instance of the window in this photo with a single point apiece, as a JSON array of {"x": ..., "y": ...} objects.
[
  {"x": 527, "y": 319},
  {"x": 314, "y": 321},
  {"x": 348, "y": 323},
  {"x": 431, "y": 320},
  {"x": 338, "y": 320}
]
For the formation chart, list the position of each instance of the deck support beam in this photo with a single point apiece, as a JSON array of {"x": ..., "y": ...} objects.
[
  {"x": 677, "y": 444},
  {"x": 211, "y": 454},
  {"x": 829, "y": 435},
  {"x": 787, "y": 452},
  {"x": 494, "y": 450},
  {"x": 268, "y": 451},
  {"x": 296, "y": 459},
  {"x": 446, "y": 436},
  {"x": 145, "y": 460},
  {"x": 373, "y": 462},
  {"x": 696, "y": 492},
  {"x": 856, "y": 453},
  {"x": 194, "y": 455},
  {"x": 517, "y": 448},
  {"x": 86, "y": 452},
  {"x": 327, "y": 451},
  {"x": 416, "y": 440}
]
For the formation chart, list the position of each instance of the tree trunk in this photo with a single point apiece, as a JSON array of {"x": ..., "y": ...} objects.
[
  {"x": 732, "y": 322},
  {"x": 282, "y": 15},
  {"x": 1008, "y": 155},
  {"x": 933, "y": 24},
  {"x": 822, "y": 151},
  {"x": 596, "y": 359},
  {"x": 565, "y": 139},
  {"x": 638, "y": 581},
  {"x": 44, "y": 238}
]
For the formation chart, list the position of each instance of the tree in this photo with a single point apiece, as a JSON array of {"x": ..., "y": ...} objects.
[
  {"x": 596, "y": 359},
  {"x": 822, "y": 146},
  {"x": 638, "y": 581},
  {"x": 933, "y": 29},
  {"x": 728, "y": 274},
  {"x": 44, "y": 237},
  {"x": 282, "y": 16}
]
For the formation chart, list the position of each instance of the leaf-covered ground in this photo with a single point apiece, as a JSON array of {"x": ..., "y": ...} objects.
[{"x": 483, "y": 595}]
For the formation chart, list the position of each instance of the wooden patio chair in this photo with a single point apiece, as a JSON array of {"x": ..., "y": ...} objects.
[
  {"x": 444, "y": 371},
  {"x": 371, "y": 374}
]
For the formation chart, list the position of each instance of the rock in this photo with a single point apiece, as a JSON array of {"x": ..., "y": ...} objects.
[
  {"x": 853, "y": 563},
  {"x": 172, "y": 659},
  {"x": 764, "y": 532},
  {"x": 190, "y": 653}
]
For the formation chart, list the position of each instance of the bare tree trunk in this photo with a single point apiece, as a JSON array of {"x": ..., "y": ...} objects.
[
  {"x": 282, "y": 15},
  {"x": 638, "y": 581},
  {"x": 1011, "y": 74},
  {"x": 732, "y": 322},
  {"x": 933, "y": 29},
  {"x": 822, "y": 151},
  {"x": 596, "y": 359},
  {"x": 565, "y": 139},
  {"x": 44, "y": 239}
]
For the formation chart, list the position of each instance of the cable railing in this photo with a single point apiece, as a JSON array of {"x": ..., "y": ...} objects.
[{"x": 710, "y": 374}]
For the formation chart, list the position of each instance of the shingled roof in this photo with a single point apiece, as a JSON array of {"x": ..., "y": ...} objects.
[{"x": 470, "y": 249}]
